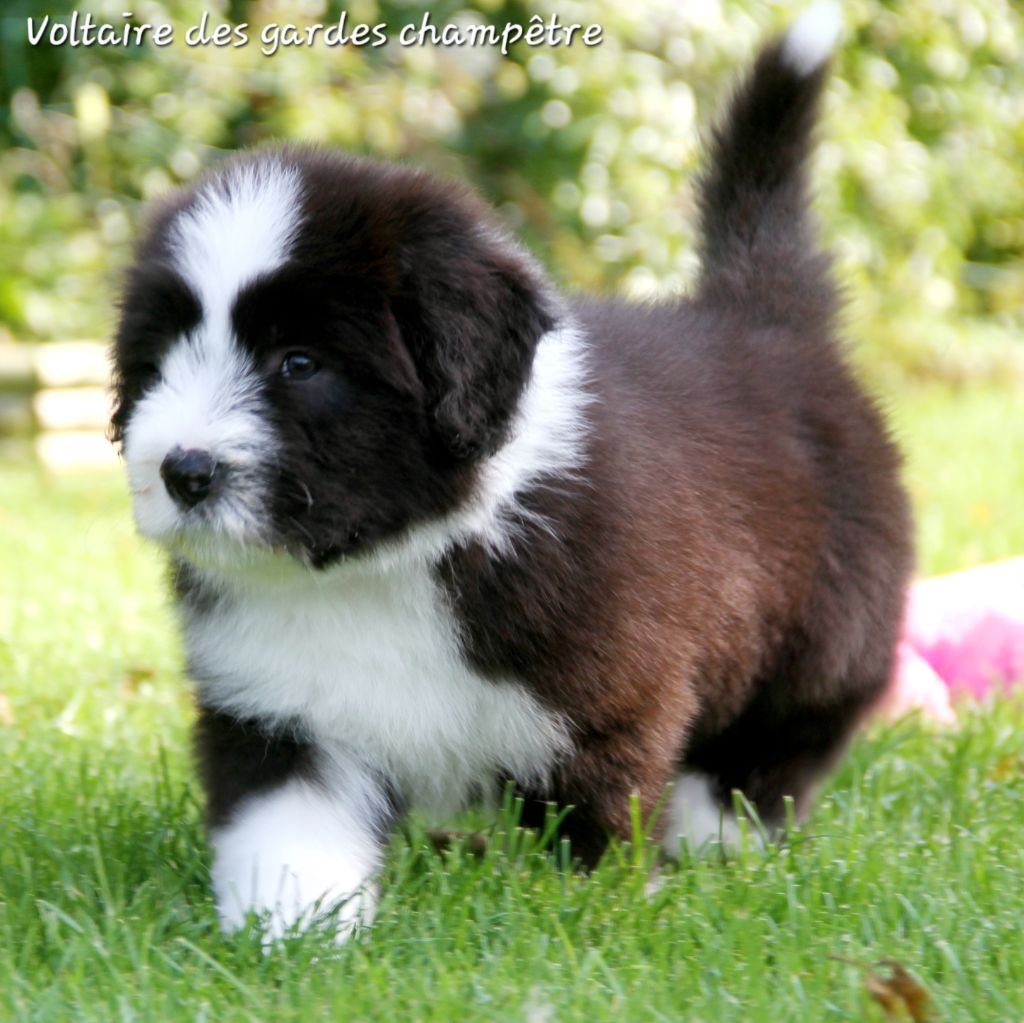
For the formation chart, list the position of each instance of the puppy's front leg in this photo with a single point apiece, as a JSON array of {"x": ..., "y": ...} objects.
[{"x": 295, "y": 834}]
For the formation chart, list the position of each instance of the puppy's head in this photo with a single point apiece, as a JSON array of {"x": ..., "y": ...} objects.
[{"x": 315, "y": 353}]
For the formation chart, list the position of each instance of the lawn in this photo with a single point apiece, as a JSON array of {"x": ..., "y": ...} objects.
[{"x": 915, "y": 853}]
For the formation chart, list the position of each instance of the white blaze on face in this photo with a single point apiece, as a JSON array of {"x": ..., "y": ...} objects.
[{"x": 240, "y": 226}]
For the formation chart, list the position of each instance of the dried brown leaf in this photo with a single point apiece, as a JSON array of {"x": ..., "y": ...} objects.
[
  {"x": 914, "y": 994},
  {"x": 900, "y": 994}
]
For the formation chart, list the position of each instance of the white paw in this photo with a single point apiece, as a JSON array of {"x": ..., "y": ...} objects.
[
  {"x": 295, "y": 856},
  {"x": 695, "y": 818}
]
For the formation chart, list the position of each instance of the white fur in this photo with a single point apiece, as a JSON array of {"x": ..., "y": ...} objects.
[
  {"x": 810, "y": 41},
  {"x": 694, "y": 817},
  {"x": 208, "y": 396},
  {"x": 547, "y": 437},
  {"x": 299, "y": 851},
  {"x": 241, "y": 225}
]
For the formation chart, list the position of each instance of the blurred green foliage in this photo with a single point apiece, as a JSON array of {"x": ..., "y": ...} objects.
[{"x": 588, "y": 152}]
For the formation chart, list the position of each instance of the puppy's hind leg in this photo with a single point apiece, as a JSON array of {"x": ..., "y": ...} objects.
[
  {"x": 785, "y": 741},
  {"x": 696, "y": 817}
]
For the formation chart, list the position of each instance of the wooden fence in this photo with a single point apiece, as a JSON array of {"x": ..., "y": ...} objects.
[{"x": 58, "y": 396}]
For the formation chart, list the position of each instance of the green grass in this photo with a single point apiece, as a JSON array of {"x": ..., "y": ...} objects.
[
  {"x": 965, "y": 471},
  {"x": 916, "y": 850}
]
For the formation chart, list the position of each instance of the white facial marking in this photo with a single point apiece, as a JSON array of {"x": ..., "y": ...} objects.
[
  {"x": 695, "y": 818},
  {"x": 208, "y": 398},
  {"x": 297, "y": 852},
  {"x": 241, "y": 225},
  {"x": 811, "y": 39}
]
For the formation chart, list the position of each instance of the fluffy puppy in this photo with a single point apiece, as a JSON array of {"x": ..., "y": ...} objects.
[{"x": 435, "y": 527}]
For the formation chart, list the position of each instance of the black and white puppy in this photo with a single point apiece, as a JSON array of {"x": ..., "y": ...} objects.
[{"x": 435, "y": 527}]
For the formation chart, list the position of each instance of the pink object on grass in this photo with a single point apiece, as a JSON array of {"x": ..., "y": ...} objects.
[{"x": 963, "y": 634}]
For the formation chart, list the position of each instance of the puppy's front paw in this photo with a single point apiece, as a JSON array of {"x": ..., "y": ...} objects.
[
  {"x": 297, "y": 859},
  {"x": 292, "y": 893}
]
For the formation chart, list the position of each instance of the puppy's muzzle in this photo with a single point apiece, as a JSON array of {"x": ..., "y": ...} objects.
[{"x": 188, "y": 475}]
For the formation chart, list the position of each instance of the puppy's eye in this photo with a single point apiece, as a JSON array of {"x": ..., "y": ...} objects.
[{"x": 299, "y": 366}]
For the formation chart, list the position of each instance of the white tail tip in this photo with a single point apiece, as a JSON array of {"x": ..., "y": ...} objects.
[{"x": 809, "y": 43}]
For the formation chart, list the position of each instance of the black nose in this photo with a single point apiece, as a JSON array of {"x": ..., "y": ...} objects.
[{"x": 188, "y": 475}]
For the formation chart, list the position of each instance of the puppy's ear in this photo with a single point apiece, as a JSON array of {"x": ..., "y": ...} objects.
[{"x": 471, "y": 310}]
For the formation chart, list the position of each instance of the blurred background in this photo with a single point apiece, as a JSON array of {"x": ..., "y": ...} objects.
[{"x": 589, "y": 155}]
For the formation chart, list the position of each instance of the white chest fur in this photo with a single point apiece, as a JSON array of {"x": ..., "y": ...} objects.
[{"x": 367, "y": 663}]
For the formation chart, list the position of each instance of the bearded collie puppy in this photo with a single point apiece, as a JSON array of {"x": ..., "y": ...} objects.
[{"x": 435, "y": 527}]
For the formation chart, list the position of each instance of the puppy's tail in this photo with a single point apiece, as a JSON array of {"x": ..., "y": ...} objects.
[{"x": 758, "y": 246}]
